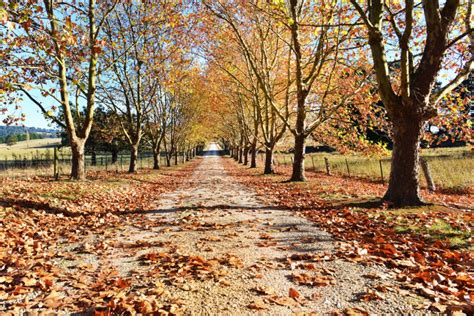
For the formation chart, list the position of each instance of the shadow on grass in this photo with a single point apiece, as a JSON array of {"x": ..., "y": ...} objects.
[{"x": 365, "y": 204}]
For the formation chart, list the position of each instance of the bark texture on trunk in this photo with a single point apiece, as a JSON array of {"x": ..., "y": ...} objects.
[
  {"x": 268, "y": 161},
  {"x": 246, "y": 155},
  {"x": 253, "y": 156},
  {"x": 176, "y": 157},
  {"x": 298, "y": 159},
  {"x": 236, "y": 154},
  {"x": 168, "y": 160},
  {"x": 403, "y": 186},
  {"x": 78, "y": 171},
  {"x": 133, "y": 159},
  {"x": 156, "y": 160}
]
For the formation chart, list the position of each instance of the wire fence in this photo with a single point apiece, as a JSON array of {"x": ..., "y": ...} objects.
[
  {"x": 58, "y": 162},
  {"x": 446, "y": 171},
  {"x": 455, "y": 171}
]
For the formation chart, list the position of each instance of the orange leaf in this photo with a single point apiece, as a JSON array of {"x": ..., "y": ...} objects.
[{"x": 293, "y": 293}]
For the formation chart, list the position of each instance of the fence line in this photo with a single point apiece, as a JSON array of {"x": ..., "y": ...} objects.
[
  {"x": 59, "y": 162},
  {"x": 447, "y": 171}
]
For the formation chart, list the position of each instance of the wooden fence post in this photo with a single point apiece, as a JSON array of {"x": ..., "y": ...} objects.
[
  {"x": 348, "y": 171},
  {"x": 381, "y": 171},
  {"x": 328, "y": 167},
  {"x": 55, "y": 163},
  {"x": 426, "y": 171}
]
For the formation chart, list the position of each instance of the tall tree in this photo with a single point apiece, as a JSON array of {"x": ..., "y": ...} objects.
[
  {"x": 55, "y": 48},
  {"x": 328, "y": 75},
  {"x": 428, "y": 36},
  {"x": 130, "y": 88},
  {"x": 157, "y": 123},
  {"x": 302, "y": 63}
]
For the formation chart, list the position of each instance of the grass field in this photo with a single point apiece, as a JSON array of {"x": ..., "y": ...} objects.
[
  {"x": 29, "y": 148},
  {"x": 451, "y": 168}
]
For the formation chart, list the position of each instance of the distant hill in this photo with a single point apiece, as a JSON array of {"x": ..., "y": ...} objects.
[
  {"x": 13, "y": 134},
  {"x": 20, "y": 130}
]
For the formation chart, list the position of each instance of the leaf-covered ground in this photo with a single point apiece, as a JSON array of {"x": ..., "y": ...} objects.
[
  {"x": 428, "y": 249},
  {"x": 214, "y": 238}
]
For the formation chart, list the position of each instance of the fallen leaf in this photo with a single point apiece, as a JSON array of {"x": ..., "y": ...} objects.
[
  {"x": 258, "y": 304},
  {"x": 293, "y": 293},
  {"x": 265, "y": 290},
  {"x": 355, "y": 311}
]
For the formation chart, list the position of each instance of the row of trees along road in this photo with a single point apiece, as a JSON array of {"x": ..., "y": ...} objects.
[
  {"x": 258, "y": 73},
  {"x": 131, "y": 57},
  {"x": 313, "y": 68}
]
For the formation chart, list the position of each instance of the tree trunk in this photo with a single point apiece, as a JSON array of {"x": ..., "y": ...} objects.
[
  {"x": 78, "y": 171},
  {"x": 93, "y": 158},
  {"x": 253, "y": 156},
  {"x": 236, "y": 154},
  {"x": 241, "y": 154},
  {"x": 156, "y": 159},
  {"x": 133, "y": 159},
  {"x": 246, "y": 155},
  {"x": 403, "y": 186},
  {"x": 114, "y": 156},
  {"x": 298, "y": 159},
  {"x": 268, "y": 161},
  {"x": 168, "y": 159},
  {"x": 176, "y": 157}
]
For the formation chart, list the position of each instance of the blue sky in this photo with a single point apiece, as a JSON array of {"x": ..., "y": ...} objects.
[
  {"x": 33, "y": 115},
  {"x": 34, "y": 118}
]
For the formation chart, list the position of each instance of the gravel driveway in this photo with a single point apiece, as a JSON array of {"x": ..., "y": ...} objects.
[{"x": 260, "y": 252}]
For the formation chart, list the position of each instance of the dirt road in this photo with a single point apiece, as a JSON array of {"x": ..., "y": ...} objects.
[{"x": 225, "y": 252}]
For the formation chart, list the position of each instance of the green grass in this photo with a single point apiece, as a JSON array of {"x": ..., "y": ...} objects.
[
  {"x": 439, "y": 230},
  {"x": 65, "y": 194},
  {"x": 29, "y": 149},
  {"x": 436, "y": 229},
  {"x": 451, "y": 168}
]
